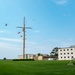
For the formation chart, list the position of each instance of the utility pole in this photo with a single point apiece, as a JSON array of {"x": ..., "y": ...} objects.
[{"x": 24, "y": 37}]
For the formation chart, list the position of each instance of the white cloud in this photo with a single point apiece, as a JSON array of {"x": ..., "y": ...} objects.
[
  {"x": 3, "y": 31},
  {"x": 46, "y": 46},
  {"x": 37, "y": 31},
  {"x": 10, "y": 50},
  {"x": 31, "y": 43},
  {"x": 32, "y": 47},
  {"x": 61, "y": 42},
  {"x": 60, "y": 1},
  {"x": 7, "y": 45},
  {"x": 10, "y": 40}
]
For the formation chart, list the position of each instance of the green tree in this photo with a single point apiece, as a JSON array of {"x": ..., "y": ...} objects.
[
  {"x": 39, "y": 54},
  {"x": 54, "y": 52},
  {"x": 4, "y": 58}
]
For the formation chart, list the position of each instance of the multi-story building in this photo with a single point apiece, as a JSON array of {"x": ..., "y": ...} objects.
[{"x": 67, "y": 53}]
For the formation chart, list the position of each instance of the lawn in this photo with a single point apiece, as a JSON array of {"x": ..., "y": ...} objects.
[{"x": 36, "y": 68}]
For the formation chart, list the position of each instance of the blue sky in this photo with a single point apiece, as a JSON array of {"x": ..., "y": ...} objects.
[{"x": 53, "y": 23}]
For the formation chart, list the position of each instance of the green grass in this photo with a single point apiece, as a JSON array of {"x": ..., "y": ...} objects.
[{"x": 36, "y": 68}]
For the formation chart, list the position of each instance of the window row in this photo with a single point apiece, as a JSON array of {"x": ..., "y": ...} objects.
[
  {"x": 66, "y": 49},
  {"x": 67, "y": 57},
  {"x": 66, "y": 53}
]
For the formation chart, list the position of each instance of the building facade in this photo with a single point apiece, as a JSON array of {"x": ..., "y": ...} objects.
[
  {"x": 34, "y": 56},
  {"x": 67, "y": 53},
  {"x": 27, "y": 56}
]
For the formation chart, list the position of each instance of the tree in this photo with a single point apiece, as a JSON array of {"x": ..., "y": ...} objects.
[
  {"x": 39, "y": 54},
  {"x": 54, "y": 52},
  {"x": 4, "y": 58}
]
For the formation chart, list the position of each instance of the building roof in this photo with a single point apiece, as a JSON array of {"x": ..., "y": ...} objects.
[{"x": 72, "y": 46}]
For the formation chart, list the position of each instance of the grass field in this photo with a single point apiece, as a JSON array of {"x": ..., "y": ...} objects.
[{"x": 36, "y": 68}]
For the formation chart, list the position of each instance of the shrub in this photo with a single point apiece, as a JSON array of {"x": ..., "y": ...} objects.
[
  {"x": 4, "y": 58},
  {"x": 23, "y": 59}
]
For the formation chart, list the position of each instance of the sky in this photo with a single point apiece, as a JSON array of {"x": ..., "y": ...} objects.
[{"x": 52, "y": 22}]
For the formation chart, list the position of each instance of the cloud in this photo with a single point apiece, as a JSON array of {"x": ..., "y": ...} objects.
[
  {"x": 46, "y": 46},
  {"x": 60, "y": 1},
  {"x": 31, "y": 42},
  {"x": 3, "y": 31},
  {"x": 6, "y": 45},
  {"x": 9, "y": 50},
  {"x": 10, "y": 40},
  {"x": 61, "y": 42},
  {"x": 37, "y": 31}
]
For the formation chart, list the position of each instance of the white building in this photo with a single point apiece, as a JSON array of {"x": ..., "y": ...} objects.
[
  {"x": 27, "y": 56},
  {"x": 67, "y": 53},
  {"x": 34, "y": 56}
]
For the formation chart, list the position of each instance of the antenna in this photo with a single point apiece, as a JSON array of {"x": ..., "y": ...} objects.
[{"x": 24, "y": 37}]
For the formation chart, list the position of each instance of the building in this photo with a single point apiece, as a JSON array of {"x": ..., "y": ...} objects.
[
  {"x": 27, "y": 56},
  {"x": 67, "y": 53},
  {"x": 34, "y": 56}
]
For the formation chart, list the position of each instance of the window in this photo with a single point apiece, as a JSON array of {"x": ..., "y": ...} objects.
[
  {"x": 64, "y": 53},
  {"x": 60, "y": 53},
  {"x": 67, "y": 53},
  {"x": 61, "y": 57},
  {"x": 64, "y": 49},
  {"x": 68, "y": 57},
  {"x": 71, "y": 49},
  {"x": 60, "y": 50},
  {"x": 71, "y": 52},
  {"x": 67, "y": 49},
  {"x": 64, "y": 57},
  {"x": 71, "y": 56}
]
